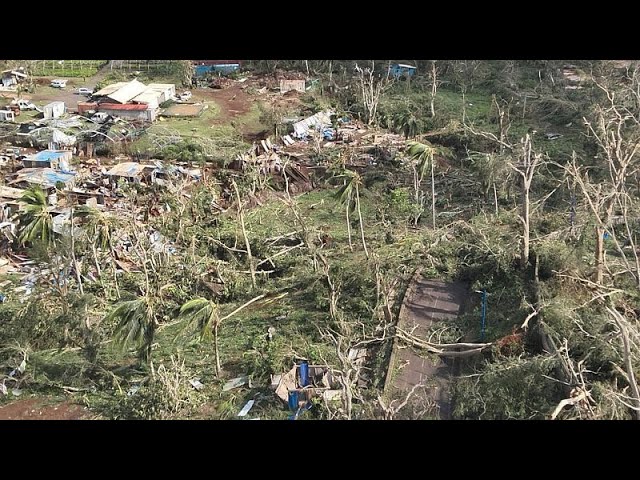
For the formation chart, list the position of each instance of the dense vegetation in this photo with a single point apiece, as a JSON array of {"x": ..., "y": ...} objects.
[{"x": 536, "y": 201}]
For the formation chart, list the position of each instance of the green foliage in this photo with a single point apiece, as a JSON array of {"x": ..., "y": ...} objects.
[
  {"x": 167, "y": 394},
  {"x": 135, "y": 325},
  {"x": 400, "y": 205},
  {"x": 35, "y": 220},
  {"x": 184, "y": 151},
  {"x": 515, "y": 388}
]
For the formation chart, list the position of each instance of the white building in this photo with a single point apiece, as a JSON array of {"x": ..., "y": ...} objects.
[{"x": 53, "y": 110}]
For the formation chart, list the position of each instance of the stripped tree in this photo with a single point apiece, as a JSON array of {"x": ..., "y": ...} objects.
[
  {"x": 371, "y": 87},
  {"x": 526, "y": 170}
]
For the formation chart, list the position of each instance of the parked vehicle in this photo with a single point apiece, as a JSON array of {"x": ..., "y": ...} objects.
[
  {"x": 184, "y": 96},
  {"x": 23, "y": 104},
  {"x": 85, "y": 91},
  {"x": 58, "y": 83}
]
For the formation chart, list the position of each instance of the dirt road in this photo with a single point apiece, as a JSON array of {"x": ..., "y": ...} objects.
[{"x": 40, "y": 409}]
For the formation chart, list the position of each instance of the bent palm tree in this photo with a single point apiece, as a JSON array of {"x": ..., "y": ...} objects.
[
  {"x": 35, "y": 220},
  {"x": 99, "y": 227},
  {"x": 423, "y": 153},
  {"x": 204, "y": 314},
  {"x": 136, "y": 325},
  {"x": 349, "y": 196}
]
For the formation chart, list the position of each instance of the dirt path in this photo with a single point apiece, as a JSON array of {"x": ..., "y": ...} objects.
[
  {"x": 40, "y": 409},
  {"x": 426, "y": 302},
  {"x": 233, "y": 101}
]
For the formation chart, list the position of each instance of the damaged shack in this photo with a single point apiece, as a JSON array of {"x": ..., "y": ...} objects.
[
  {"x": 131, "y": 172},
  {"x": 56, "y": 159}
]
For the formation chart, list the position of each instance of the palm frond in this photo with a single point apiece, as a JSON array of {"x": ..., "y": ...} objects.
[
  {"x": 202, "y": 313},
  {"x": 134, "y": 325}
]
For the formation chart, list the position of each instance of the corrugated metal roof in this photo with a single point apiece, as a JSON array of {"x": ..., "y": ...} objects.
[
  {"x": 320, "y": 119},
  {"x": 148, "y": 96},
  {"x": 161, "y": 86},
  {"x": 127, "y": 92},
  {"x": 46, "y": 177},
  {"x": 128, "y": 169},
  {"x": 117, "y": 106},
  {"x": 109, "y": 89},
  {"x": 48, "y": 155}
]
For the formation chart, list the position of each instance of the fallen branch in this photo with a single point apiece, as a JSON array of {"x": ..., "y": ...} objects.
[
  {"x": 443, "y": 349},
  {"x": 581, "y": 397},
  {"x": 282, "y": 252}
]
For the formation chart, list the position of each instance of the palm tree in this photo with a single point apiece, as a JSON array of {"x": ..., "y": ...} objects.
[
  {"x": 99, "y": 227},
  {"x": 137, "y": 325},
  {"x": 35, "y": 220},
  {"x": 423, "y": 153},
  {"x": 204, "y": 314},
  {"x": 408, "y": 124},
  {"x": 349, "y": 195}
]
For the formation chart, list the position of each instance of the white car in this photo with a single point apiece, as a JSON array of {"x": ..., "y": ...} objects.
[
  {"x": 85, "y": 91},
  {"x": 58, "y": 83},
  {"x": 24, "y": 104}
]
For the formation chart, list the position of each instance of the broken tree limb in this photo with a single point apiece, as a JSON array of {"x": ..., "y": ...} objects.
[
  {"x": 581, "y": 397},
  {"x": 282, "y": 252},
  {"x": 631, "y": 379},
  {"x": 445, "y": 349}
]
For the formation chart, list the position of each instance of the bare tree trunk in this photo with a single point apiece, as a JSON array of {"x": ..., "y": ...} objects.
[
  {"x": 599, "y": 254},
  {"x": 349, "y": 227},
  {"x": 76, "y": 267},
  {"x": 526, "y": 170},
  {"x": 364, "y": 243},
  {"x": 95, "y": 260},
  {"x": 416, "y": 188},
  {"x": 244, "y": 234},
  {"x": 433, "y": 195},
  {"x": 495, "y": 197},
  {"x": 216, "y": 349},
  {"x": 524, "y": 258},
  {"x": 631, "y": 379},
  {"x": 434, "y": 87},
  {"x": 632, "y": 242}
]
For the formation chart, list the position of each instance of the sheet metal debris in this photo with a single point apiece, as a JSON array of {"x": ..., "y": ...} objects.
[
  {"x": 195, "y": 383},
  {"x": 246, "y": 408},
  {"x": 235, "y": 383}
]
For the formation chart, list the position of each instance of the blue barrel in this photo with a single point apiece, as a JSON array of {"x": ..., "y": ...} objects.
[
  {"x": 293, "y": 400},
  {"x": 304, "y": 374}
]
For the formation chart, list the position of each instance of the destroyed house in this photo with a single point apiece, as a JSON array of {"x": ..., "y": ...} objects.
[
  {"x": 9, "y": 201},
  {"x": 13, "y": 77},
  {"x": 47, "y": 178},
  {"x": 132, "y": 172},
  {"x": 55, "y": 159},
  {"x": 130, "y": 100},
  {"x": 401, "y": 70}
]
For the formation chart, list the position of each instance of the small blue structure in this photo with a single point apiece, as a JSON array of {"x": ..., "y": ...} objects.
[
  {"x": 398, "y": 70},
  {"x": 223, "y": 68},
  {"x": 48, "y": 159}
]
